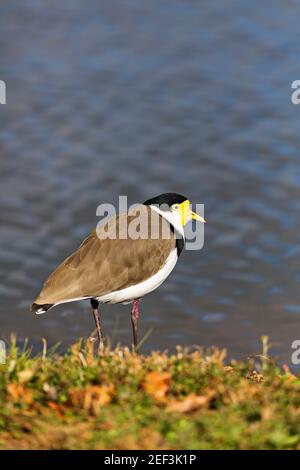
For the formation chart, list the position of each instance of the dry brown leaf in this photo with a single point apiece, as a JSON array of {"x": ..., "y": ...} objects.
[
  {"x": 58, "y": 409},
  {"x": 92, "y": 398},
  {"x": 25, "y": 375},
  {"x": 157, "y": 384},
  {"x": 19, "y": 393},
  {"x": 190, "y": 403},
  {"x": 15, "y": 390}
]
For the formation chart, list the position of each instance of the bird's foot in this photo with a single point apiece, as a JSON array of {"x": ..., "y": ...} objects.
[
  {"x": 101, "y": 348},
  {"x": 92, "y": 340}
]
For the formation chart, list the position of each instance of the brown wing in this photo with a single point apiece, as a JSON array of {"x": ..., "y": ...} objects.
[{"x": 103, "y": 265}]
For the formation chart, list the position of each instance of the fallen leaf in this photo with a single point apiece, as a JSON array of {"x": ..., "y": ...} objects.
[
  {"x": 92, "y": 398},
  {"x": 19, "y": 393},
  {"x": 157, "y": 384},
  {"x": 58, "y": 409},
  {"x": 190, "y": 403},
  {"x": 25, "y": 375},
  {"x": 15, "y": 390}
]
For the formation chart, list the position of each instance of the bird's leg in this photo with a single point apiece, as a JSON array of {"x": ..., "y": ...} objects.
[
  {"x": 134, "y": 321},
  {"x": 95, "y": 306}
]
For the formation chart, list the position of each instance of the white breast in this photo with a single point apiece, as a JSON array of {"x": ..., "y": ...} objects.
[{"x": 139, "y": 290}]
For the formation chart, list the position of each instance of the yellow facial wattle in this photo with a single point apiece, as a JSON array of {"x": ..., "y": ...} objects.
[{"x": 186, "y": 214}]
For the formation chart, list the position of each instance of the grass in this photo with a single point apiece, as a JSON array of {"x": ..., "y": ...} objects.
[{"x": 121, "y": 400}]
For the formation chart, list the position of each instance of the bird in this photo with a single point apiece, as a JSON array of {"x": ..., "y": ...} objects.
[{"x": 121, "y": 269}]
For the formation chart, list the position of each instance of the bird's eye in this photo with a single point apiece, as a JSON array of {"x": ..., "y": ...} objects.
[{"x": 175, "y": 207}]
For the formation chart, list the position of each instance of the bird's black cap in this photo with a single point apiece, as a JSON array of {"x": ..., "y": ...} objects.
[{"x": 166, "y": 199}]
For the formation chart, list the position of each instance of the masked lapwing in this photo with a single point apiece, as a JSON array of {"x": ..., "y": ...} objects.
[{"x": 114, "y": 265}]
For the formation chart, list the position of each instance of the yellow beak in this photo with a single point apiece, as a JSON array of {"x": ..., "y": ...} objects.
[
  {"x": 197, "y": 217},
  {"x": 187, "y": 214}
]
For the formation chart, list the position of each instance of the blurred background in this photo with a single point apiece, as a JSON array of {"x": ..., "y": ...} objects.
[{"x": 139, "y": 98}]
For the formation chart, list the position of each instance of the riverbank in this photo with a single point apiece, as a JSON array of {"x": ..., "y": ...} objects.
[{"x": 121, "y": 400}]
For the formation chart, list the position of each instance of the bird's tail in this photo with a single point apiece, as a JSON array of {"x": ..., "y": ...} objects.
[{"x": 40, "y": 308}]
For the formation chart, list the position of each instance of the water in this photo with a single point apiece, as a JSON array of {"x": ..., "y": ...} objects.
[{"x": 139, "y": 98}]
